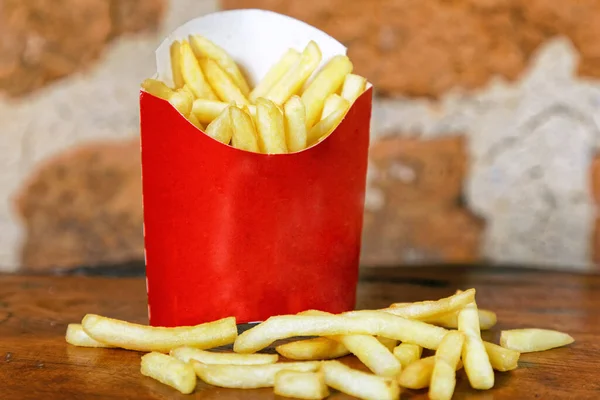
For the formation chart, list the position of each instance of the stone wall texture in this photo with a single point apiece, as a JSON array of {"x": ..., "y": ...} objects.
[
  {"x": 485, "y": 134},
  {"x": 426, "y": 47},
  {"x": 41, "y": 41}
]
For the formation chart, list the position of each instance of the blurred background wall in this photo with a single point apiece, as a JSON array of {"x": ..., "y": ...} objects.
[{"x": 485, "y": 139}]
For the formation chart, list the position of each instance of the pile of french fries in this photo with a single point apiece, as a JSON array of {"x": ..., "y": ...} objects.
[
  {"x": 285, "y": 112},
  {"x": 389, "y": 342}
]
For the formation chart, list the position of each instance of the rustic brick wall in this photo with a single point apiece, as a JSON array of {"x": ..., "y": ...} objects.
[
  {"x": 41, "y": 41},
  {"x": 426, "y": 47},
  {"x": 483, "y": 129},
  {"x": 595, "y": 177},
  {"x": 422, "y": 218},
  {"x": 84, "y": 207}
]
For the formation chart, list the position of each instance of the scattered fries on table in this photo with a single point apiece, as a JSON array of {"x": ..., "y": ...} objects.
[
  {"x": 179, "y": 356},
  {"x": 290, "y": 111}
]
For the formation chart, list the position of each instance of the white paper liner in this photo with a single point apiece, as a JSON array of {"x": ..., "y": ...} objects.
[{"x": 256, "y": 39}]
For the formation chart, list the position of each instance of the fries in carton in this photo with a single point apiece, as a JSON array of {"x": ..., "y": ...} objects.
[{"x": 230, "y": 232}]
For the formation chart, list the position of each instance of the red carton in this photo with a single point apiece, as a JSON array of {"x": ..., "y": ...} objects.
[{"x": 233, "y": 233}]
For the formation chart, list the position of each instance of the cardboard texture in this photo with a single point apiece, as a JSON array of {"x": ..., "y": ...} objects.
[{"x": 233, "y": 233}]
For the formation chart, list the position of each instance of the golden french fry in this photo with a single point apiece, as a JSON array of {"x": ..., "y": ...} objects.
[
  {"x": 447, "y": 356},
  {"x": 221, "y": 83},
  {"x": 359, "y": 384},
  {"x": 432, "y": 308},
  {"x": 274, "y": 74},
  {"x": 179, "y": 99},
  {"x": 301, "y": 385},
  {"x": 170, "y": 371},
  {"x": 332, "y": 103},
  {"x": 368, "y": 349},
  {"x": 291, "y": 82},
  {"x": 182, "y": 101},
  {"x": 476, "y": 360},
  {"x": 374, "y": 323},
  {"x": 372, "y": 353},
  {"x": 407, "y": 353},
  {"x": 220, "y": 128},
  {"x": 131, "y": 336},
  {"x": 207, "y": 110},
  {"x": 531, "y": 340},
  {"x": 186, "y": 354},
  {"x": 193, "y": 75},
  {"x": 204, "y": 48},
  {"x": 192, "y": 118},
  {"x": 77, "y": 337},
  {"x": 186, "y": 88},
  {"x": 157, "y": 88},
  {"x": 270, "y": 127},
  {"x": 320, "y": 348},
  {"x": 248, "y": 376},
  {"x": 327, "y": 81},
  {"x": 389, "y": 344},
  {"x": 502, "y": 359},
  {"x": 295, "y": 124},
  {"x": 324, "y": 127},
  {"x": 175, "y": 52},
  {"x": 244, "y": 133},
  {"x": 354, "y": 86},
  {"x": 487, "y": 319},
  {"x": 417, "y": 375}
]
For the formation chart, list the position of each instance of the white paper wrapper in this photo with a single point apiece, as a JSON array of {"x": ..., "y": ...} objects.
[{"x": 256, "y": 39}]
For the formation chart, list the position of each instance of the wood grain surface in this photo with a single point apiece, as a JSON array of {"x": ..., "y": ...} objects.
[{"x": 36, "y": 363}]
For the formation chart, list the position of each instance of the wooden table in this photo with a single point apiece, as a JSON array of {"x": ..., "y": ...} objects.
[{"x": 36, "y": 363}]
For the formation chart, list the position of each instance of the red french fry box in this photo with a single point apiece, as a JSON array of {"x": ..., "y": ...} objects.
[{"x": 233, "y": 233}]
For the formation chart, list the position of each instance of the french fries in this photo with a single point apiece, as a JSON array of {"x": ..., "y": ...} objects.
[
  {"x": 531, "y": 340},
  {"x": 369, "y": 335},
  {"x": 248, "y": 376},
  {"x": 354, "y": 86},
  {"x": 300, "y": 385},
  {"x": 204, "y": 48},
  {"x": 295, "y": 124},
  {"x": 320, "y": 348},
  {"x": 476, "y": 360},
  {"x": 487, "y": 320},
  {"x": 180, "y": 99},
  {"x": 327, "y": 81},
  {"x": 221, "y": 82},
  {"x": 270, "y": 128},
  {"x": 368, "y": 349},
  {"x": 192, "y": 118},
  {"x": 502, "y": 359},
  {"x": 325, "y": 126},
  {"x": 186, "y": 354},
  {"x": 356, "y": 323},
  {"x": 77, "y": 337},
  {"x": 332, "y": 103},
  {"x": 447, "y": 357},
  {"x": 244, "y": 135},
  {"x": 417, "y": 375},
  {"x": 291, "y": 82},
  {"x": 221, "y": 128},
  {"x": 193, "y": 75},
  {"x": 130, "y": 336},
  {"x": 207, "y": 81},
  {"x": 432, "y": 308},
  {"x": 175, "y": 52},
  {"x": 359, "y": 384},
  {"x": 407, "y": 353},
  {"x": 170, "y": 371},
  {"x": 277, "y": 71}
]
